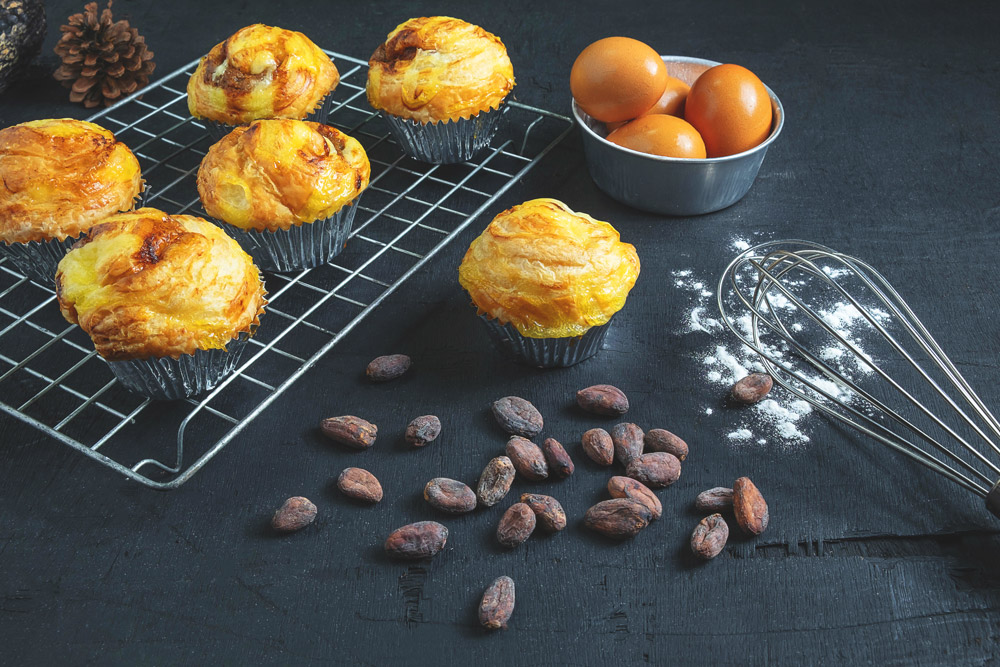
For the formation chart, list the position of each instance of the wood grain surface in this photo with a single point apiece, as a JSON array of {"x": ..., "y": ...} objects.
[{"x": 891, "y": 151}]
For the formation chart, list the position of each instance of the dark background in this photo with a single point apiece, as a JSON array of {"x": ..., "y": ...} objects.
[{"x": 890, "y": 152}]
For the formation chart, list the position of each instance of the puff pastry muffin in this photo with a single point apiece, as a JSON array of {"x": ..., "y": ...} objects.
[
  {"x": 169, "y": 300},
  {"x": 286, "y": 190},
  {"x": 547, "y": 280},
  {"x": 58, "y": 177},
  {"x": 439, "y": 82},
  {"x": 261, "y": 72}
]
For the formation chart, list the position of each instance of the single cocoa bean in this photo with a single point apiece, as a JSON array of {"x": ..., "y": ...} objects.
[
  {"x": 294, "y": 514},
  {"x": 718, "y": 499},
  {"x": 423, "y": 539},
  {"x": 497, "y": 604},
  {"x": 527, "y": 458},
  {"x": 359, "y": 483},
  {"x": 709, "y": 537},
  {"x": 547, "y": 509},
  {"x": 422, "y": 430},
  {"x": 633, "y": 489},
  {"x": 495, "y": 481},
  {"x": 618, "y": 518},
  {"x": 449, "y": 495},
  {"x": 603, "y": 399},
  {"x": 749, "y": 507},
  {"x": 627, "y": 439},
  {"x": 655, "y": 470},
  {"x": 518, "y": 417},
  {"x": 752, "y": 389},
  {"x": 516, "y": 525},
  {"x": 351, "y": 431},
  {"x": 387, "y": 367},
  {"x": 662, "y": 440},
  {"x": 559, "y": 461},
  {"x": 597, "y": 444}
]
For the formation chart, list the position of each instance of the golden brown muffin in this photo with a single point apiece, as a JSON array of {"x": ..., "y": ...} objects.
[
  {"x": 439, "y": 68},
  {"x": 58, "y": 177},
  {"x": 147, "y": 284},
  {"x": 261, "y": 72},
  {"x": 273, "y": 174},
  {"x": 548, "y": 271}
]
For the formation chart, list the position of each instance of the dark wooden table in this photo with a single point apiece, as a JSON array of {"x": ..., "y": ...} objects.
[{"x": 891, "y": 151}]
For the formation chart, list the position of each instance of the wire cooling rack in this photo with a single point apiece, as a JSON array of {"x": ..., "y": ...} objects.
[{"x": 52, "y": 379}]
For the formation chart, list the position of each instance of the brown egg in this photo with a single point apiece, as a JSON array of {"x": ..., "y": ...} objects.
[
  {"x": 660, "y": 134},
  {"x": 671, "y": 102},
  {"x": 617, "y": 78}
]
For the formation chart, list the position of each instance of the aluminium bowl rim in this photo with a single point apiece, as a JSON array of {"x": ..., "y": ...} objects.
[{"x": 578, "y": 116}]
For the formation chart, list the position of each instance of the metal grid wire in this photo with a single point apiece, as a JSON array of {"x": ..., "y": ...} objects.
[{"x": 52, "y": 379}]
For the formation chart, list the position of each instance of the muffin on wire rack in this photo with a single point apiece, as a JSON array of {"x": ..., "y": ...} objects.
[
  {"x": 261, "y": 72},
  {"x": 169, "y": 301},
  {"x": 59, "y": 177},
  {"x": 546, "y": 281},
  {"x": 287, "y": 190},
  {"x": 440, "y": 83}
]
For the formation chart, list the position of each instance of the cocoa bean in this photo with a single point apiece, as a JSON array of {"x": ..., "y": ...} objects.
[
  {"x": 294, "y": 514},
  {"x": 422, "y": 539},
  {"x": 749, "y": 507},
  {"x": 709, "y": 537},
  {"x": 351, "y": 431},
  {"x": 387, "y": 367},
  {"x": 527, "y": 458},
  {"x": 618, "y": 518},
  {"x": 449, "y": 495},
  {"x": 718, "y": 499},
  {"x": 603, "y": 399},
  {"x": 633, "y": 489},
  {"x": 516, "y": 525},
  {"x": 422, "y": 430},
  {"x": 497, "y": 604},
  {"x": 597, "y": 444},
  {"x": 518, "y": 417},
  {"x": 655, "y": 470},
  {"x": 559, "y": 461},
  {"x": 752, "y": 389},
  {"x": 662, "y": 440},
  {"x": 627, "y": 439},
  {"x": 547, "y": 509},
  {"x": 359, "y": 483},
  {"x": 495, "y": 481}
]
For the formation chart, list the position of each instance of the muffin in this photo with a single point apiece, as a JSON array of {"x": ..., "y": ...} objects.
[
  {"x": 547, "y": 281},
  {"x": 169, "y": 300},
  {"x": 285, "y": 189},
  {"x": 59, "y": 177},
  {"x": 439, "y": 83},
  {"x": 261, "y": 72}
]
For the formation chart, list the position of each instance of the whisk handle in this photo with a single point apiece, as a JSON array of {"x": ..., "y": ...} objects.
[{"x": 993, "y": 499}]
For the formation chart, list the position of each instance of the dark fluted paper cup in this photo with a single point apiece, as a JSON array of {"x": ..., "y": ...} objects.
[
  {"x": 545, "y": 352},
  {"x": 445, "y": 142},
  {"x": 167, "y": 379},
  {"x": 38, "y": 260}
]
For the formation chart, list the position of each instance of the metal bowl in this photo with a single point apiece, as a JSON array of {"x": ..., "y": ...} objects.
[{"x": 673, "y": 186}]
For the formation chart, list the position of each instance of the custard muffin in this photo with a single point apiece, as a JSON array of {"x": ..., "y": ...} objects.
[
  {"x": 439, "y": 83},
  {"x": 547, "y": 281},
  {"x": 286, "y": 190},
  {"x": 261, "y": 72},
  {"x": 168, "y": 300},
  {"x": 59, "y": 177}
]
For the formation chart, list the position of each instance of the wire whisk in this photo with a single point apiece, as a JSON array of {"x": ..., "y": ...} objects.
[{"x": 787, "y": 300}]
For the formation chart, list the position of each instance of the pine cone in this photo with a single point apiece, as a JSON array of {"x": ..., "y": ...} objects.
[{"x": 102, "y": 61}]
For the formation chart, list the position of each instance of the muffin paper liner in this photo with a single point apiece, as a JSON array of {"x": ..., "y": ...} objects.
[
  {"x": 545, "y": 352},
  {"x": 218, "y": 130},
  {"x": 164, "y": 378},
  {"x": 300, "y": 246},
  {"x": 445, "y": 142}
]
